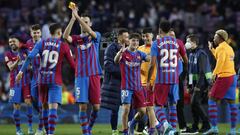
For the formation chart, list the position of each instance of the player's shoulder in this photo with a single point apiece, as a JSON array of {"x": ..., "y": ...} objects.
[
  {"x": 180, "y": 42},
  {"x": 155, "y": 43},
  {"x": 8, "y": 53},
  {"x": 139, "y": 51},
  {"x": 112, "y": 46},
  {"x": 29, "y": 42},
  {"x": 63, "y": 44}
]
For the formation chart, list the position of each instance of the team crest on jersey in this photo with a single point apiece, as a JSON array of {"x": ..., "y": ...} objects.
[{"x": 139, "y": 57}]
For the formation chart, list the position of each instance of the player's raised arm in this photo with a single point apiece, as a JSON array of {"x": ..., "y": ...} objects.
[
  {"x": 66, "y": 34},
  {"x": 83, "y": 24},
  {"x": 118, "y": 57}
]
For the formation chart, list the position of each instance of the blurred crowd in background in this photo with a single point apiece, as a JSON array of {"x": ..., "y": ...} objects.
[{"x": 201, "y": 17}]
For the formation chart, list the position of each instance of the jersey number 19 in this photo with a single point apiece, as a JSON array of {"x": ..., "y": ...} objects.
[{"x": 51, "y": 57}]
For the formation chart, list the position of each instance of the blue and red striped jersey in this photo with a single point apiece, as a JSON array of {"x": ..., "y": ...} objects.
[
  {"x": 167, "y": 52},
  {"x": 11, "y": 56},
  {"x": 130, "y": 66},
  {"x": 87, "y": 55},
  {"x": 52, "y": 51},
  {"x": 35, "y": 62}
]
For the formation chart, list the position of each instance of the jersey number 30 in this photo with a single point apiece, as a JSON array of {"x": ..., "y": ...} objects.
[
  {"x": 51, "y": 57},
  {"x": 170, "y": 55}
]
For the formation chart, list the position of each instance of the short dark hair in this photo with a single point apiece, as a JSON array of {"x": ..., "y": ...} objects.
[
  {"x": 35, "y": 27},
  {"x": 14, "y": 36},
  {"x": 86, "y": 15},
  {"x": 194, "y": 38},
  {"x": 165, "y": 26},
  {"x": 122, "y": 30},
  {"x": 146, "y": 30},
  {"x": 53, "y": 27},
  {"x": 135, "y": 35}
]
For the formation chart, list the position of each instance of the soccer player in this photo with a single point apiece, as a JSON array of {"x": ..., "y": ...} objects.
[
  {"x": 52, "y": 51},
  {"x": 19, "y": 92},
  {"x": 147, "y": 37},
  {"x": 88, "y": 69},
  {"x": 36, "y": 33},
  {"x": 111, "y": 86},
  {"x": 225, "y": 84},
  {"x": 165, "y": 52},
  {"x": 130, "y": 60},
  {"x": 199, "y": 80}
]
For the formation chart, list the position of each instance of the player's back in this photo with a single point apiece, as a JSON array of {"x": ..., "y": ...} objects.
[
  {"x": 167, "y": 60},
  {"x": 51, "y": 61}
]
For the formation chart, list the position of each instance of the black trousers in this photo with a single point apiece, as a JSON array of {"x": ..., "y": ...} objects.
[
  {"x": 198, "y": 110},
  {"x": 180, "y": 103}
]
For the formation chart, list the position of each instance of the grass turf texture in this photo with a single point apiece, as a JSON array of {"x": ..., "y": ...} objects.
[{"x": 74, "y": 129}]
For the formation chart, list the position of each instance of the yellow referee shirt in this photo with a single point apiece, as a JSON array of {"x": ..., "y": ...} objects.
[
  {"x": 224, "y": 55},
  {"x": 145, "y": 65}
]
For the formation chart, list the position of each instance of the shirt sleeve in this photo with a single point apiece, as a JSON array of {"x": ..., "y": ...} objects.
[
  {"x": 7, "y": 58},
  {"x": 154, "y": 49},
  {"x": 98, "y": 38},
  {"x": 143, "y": 55},
  {"x": 31, "y": 55},
  {"x": 68, "y": 55}
]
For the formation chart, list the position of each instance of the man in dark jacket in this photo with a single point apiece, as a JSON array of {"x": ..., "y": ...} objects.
[
  {"x": 200, "y": 75},
  {"x": 111, "y": 93}
]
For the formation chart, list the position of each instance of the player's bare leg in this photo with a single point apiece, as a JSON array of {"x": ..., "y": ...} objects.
[
  {"x": 152, "y": 119},
  {"x": 83, "y": 118},
  {"x": 139, "y": 115},
  {"x": 126, "y": 110},
  {"x": 52, "y": 118},
  {"x": 16, "y": 116},
  {"x": 29, "y": 115},
  {"x": 93, "y": 116}
]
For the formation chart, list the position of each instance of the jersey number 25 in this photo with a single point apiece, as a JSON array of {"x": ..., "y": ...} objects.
[{"x": 171, "y": 56}]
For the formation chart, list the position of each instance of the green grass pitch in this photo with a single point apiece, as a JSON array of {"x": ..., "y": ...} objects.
[{"x": 74, "y": 129}]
